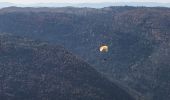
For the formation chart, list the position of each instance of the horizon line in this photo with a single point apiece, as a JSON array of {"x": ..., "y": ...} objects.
[{"x": 86, "y": 2}]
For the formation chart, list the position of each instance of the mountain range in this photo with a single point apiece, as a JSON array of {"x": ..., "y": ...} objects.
[
  {"x": 138, "y": 39},
  {"x": 91, "y": 5}
]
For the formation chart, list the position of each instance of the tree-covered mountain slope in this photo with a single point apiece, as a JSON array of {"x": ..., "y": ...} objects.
[
  {"x": 137, "y": 37},
  {"x": 33, "y": 70}
]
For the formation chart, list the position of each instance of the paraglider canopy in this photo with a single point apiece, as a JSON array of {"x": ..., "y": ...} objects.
[{"x": 104, "y": 48}]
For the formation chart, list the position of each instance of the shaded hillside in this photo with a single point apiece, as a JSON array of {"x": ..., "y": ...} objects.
[
  {"x": 137, "y": 40},
  {"x": 32, "y": 70},
  {"x": 151, "y": 50}
]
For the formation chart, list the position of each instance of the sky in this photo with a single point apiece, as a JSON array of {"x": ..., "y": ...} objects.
[{"x": 79, "y": 1}]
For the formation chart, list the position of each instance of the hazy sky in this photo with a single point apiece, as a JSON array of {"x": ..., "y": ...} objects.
[{"x": 80, "y": 1}]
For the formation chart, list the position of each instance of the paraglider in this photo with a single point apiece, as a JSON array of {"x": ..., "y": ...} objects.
[{"x": 104, "y": 48}]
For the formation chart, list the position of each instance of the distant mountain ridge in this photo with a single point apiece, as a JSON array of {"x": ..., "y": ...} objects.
[
  {"x": 91, "y": 5},
  {"x": 6, "y": 4}
]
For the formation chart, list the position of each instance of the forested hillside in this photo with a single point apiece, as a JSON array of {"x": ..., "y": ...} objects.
[
  {"x": 33, "y": 70},
  {"x": 138, "y": 40}
]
